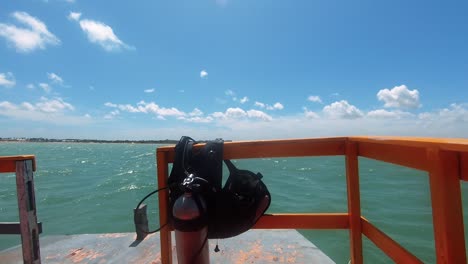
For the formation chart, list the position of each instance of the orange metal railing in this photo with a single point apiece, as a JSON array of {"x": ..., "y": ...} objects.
[{"x": 446, "y": 161}]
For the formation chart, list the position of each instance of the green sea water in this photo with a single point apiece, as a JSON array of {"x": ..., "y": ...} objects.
[{"x": 93, "y": 188}]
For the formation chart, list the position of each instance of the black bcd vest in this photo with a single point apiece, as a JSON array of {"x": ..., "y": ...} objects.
[{"x": 230, "y": 209}]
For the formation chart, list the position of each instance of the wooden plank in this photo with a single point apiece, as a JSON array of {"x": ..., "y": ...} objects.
[
  {"x": 354, "y": 202},
  {"x": 304, "y": 221},
  {"x": 27, "y": 212},
  {"x": 8, "y": 163},
  {"x": 394, "y": 250},
  {"x": 162, "y": 168},
  {"x": 276, "y": 148},
  {"x": 413, "y": 157},
  {"x": 447, "y": 212},
  {"x": 13, "y": 228}
]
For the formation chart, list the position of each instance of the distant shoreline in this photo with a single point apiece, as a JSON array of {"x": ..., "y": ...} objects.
[{"x": 53, "y": 140}]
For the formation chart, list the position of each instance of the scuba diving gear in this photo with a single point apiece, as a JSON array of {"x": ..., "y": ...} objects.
[
  {"x": 199, "y": 203},
  {"x": 232, "y": 209},
  {"x": 191, "y": 230}
]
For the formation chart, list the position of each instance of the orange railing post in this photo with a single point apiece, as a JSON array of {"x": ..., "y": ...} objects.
[
  {"x": 28, "y": 227},
  {"x": 165, "y": 234},
  {"x": 444, "y": 179},
  {"x": 354, "y": 202}
]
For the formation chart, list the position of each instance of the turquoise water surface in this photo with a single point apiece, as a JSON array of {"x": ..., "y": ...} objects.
[{"x": 93, "y": 188}]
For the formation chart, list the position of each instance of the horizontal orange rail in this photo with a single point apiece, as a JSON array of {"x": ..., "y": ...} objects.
[
  {"x": 275, "y": 148},
  {"x": 445, "y": 159},
  {"x": 409, "y": 156},
  {"x": 453, "y": 144},
  {"x": 8, "y": 163},
  {"x": 304, "y": 221}
]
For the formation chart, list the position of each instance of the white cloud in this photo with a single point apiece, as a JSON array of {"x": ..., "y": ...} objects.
[
  {"x": 112, "y": 114},
  {"x": 7, "y": 106},
  {"x": 55, "y": 78},
  {"x": 197, "y": 119},
  {"x": 277, "y": 106},
  {"x": 109, "y": 104},
  {"x": 310, "y": 114},
  {"x": 45, "y": 87},
  {"x": 314, "y": 98},
  {"x": 157, "y": 110},
  {"x": 28, "y": 106},
  {"x": 456, "y": 113},
  {"x": 238, "y": 113},
  {"x": 147, "y": 108},
  {"x": 231, "y": 113},
  {"x": 298, "y": 126},
  {"x": 129, "y": 108},
  {"x": 30, "y": 86},
  {"x": 53, "y": 105},
  {"x": 102, "y": 34},
  {"x": 149, "y": 90},
  {"x": 54, "y": 110},
  {"x": 342, "y": 109},
  {"x": 259, "y": 104},
  {"x": 259, "y": 115},
  {"x": 448, "y": 122},
  {"x": 196, "y": 112},
  {"x": 7, "y": 79},
  {"x": 203, "y": 74},
  {"x": 384, "y": 114},
  {"x": 29, "y": 37},
  {"x": 244, "y": 100},
  {"x": 381, "y": 113},
  {"x": 219, "y": 115},
  {"x": 99, "y": 33},
  {"x": 235, "y": 113},
  {"x": 399, "y": 97},
  {"x": 74, "y": 16}
]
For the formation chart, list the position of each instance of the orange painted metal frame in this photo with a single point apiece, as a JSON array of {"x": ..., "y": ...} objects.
[
  {"x": 8, "y": 163},
  {"x": 445, "y": 159},
  {"x": 29, "y": 228}
]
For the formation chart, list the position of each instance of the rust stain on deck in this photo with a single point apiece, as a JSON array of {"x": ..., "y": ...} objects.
[{"x": 81, "y": 254}]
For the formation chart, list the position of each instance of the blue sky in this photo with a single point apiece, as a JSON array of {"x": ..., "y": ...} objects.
[{"x": 233, "y": 69}]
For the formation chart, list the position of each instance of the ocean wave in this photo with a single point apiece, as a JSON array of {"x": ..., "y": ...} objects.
[
  {"x": 143, "y": 155},
  {"x": 125, "y": 172},
  {"x": 128, "y": 188}
]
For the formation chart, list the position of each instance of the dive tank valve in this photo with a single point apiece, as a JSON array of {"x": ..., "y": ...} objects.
[{"x": 190, "y": 224}]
